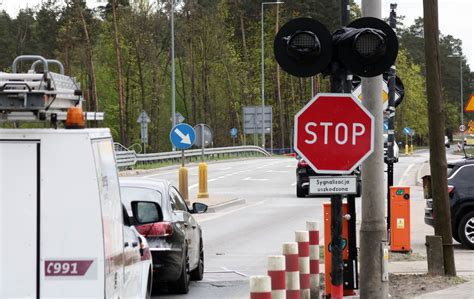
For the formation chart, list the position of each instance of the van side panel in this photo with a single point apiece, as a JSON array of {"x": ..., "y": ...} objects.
[
  {"x": 72, "y": 246},
  {"x": 112, "y": 222},
  {"x": 18, "y": 219}
]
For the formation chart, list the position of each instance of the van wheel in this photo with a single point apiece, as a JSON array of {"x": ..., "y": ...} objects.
[
  {"x": 466, "y": 230},
  {"x": 181, "y": 286},
  {"x": 198, "y": 273}
]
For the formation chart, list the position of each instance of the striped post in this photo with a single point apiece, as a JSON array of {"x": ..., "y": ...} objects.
[
  {"x": 302, "y": 238},
  {"x": 313, "y": 228},
  {"x": 290, "y": 251},
  {"x": 260, "y": 287},
  {"x": 276, "y": 271}
]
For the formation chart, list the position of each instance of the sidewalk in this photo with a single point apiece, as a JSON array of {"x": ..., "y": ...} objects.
[{"x": 464, "y": 258}]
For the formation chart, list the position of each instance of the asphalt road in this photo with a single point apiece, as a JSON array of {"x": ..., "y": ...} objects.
[{"x": 238, "y": 240}]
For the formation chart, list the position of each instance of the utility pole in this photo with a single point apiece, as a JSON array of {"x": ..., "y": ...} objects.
[
  {"x": 436, "y": 120},
  {"x": 391, "y": 120},
  {"x": 173, "y": 85},
  {"x": 373, "y": 231}
]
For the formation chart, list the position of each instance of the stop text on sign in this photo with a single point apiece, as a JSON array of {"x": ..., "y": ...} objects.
[
  {"x": 341, "y": 132},
  {"x": 334, "y": 133}
]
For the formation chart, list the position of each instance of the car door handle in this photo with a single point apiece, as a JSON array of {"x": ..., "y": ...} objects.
[
  {"x": 125, "y": 244},
  {"x": 134, "y": 244}
]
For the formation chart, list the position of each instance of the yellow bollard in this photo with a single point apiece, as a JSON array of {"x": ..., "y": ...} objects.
[
  {"x": 183, "y": 183},
  {"x": 406, "y": 149},
  {"x": 411, "y": 149},
  {"x": 203, "y": 181}
]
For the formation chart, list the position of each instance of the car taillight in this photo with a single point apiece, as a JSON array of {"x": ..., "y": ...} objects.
[
  {"x": 302, "y": 163},
  {"x": 159, "y": 229},
  {"x": 450, "y": 189}
]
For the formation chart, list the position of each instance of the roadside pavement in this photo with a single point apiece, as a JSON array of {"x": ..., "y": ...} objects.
[{"x": 464, "y": 258}]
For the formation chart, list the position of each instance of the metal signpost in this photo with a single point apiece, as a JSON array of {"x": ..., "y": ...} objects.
[
  {"x": 233, "y": 134},
  {"x": 203, "y": 140},
  {"x": 324, "y": 133},
  {"x": 252, "y": 121},
  {"x": 182, "y": 137},
  {"x": 143, "y": 120}
]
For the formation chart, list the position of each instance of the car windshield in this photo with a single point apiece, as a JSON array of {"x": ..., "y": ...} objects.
[{"x": 130, "y": 194}]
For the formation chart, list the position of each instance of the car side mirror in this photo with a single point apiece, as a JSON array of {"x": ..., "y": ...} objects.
[
  {"x": 199, "y": 208},
  {"x": 146, "y": 212}
]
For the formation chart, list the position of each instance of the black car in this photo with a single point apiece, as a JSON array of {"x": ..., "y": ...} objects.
[
  {"x": 304, "y": 172},
  {"x": 461, "y": 195},
  {"x": 176, "y": 243}
]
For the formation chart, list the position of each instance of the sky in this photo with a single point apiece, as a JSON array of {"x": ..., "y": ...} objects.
[{"x": 456, "y": 17}]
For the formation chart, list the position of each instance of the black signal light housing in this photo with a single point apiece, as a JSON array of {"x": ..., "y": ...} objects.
[
  {"x": 303, "y": 47},
  {"x": 367, "y": 46}
]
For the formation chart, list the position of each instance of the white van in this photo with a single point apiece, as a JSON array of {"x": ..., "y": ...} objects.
[{"x": 62, "y": 230}]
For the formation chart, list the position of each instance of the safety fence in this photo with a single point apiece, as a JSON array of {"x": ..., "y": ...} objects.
[{"x": 130, "y": 158}]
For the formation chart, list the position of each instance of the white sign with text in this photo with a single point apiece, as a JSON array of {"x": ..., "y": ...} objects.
[{"x": 328, "y": 185}]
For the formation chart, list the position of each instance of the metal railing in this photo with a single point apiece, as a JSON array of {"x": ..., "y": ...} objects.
[{"x": 129, "y": 158}]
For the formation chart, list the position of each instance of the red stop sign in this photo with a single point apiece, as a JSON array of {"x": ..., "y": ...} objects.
[{"x": 334, "y": 133}]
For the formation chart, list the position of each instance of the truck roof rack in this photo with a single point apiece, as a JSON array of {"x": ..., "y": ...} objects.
[{"x": 39, "y": 96}]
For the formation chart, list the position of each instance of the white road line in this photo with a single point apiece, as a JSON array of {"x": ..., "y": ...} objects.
[
  {"x": 161, "y": 173},
  {"x": 193, "y": 186},
  {"x": 257, "y": 180},
  {"x": 277, "y": 171},
  {"x": 294, "y": 184},
  {"x": 232, "y": 211},
  {"x": 405, "y": 174}
]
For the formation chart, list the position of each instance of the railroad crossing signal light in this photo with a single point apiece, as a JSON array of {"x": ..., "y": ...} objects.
[
  {"x": 367, "y": 46},
  {"x": 303, "y": 47}
]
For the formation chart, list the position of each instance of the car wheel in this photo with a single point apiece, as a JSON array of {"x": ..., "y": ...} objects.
[
  {"x": 300, "y": 191},
  {"x": 181, "y": 286},
  {"x": 198, "y": 273},
  {"x": 466, "y": 230}
]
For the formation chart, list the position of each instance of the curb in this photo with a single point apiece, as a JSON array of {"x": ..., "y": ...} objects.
[{"x": 225, "y": 205}]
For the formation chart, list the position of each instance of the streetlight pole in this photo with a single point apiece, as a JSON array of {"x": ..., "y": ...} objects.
[
  {"x": 461, "y": 99},
  {"x": 173, "y": 87},
  {"x": 263, "y": 77}
]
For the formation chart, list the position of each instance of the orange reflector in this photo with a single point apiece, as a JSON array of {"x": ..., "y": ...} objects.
[{"x": 75, "y": 118}]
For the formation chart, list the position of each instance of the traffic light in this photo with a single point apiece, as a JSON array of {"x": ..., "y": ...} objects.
[
  {"x": 367, "y": 47},
  {"x": 303, "y": 47}
]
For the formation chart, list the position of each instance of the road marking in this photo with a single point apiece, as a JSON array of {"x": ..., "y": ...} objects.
[
  {"x": 193, "y": 186},
  {"x": 294, "y": 184},
  {"x": 218, "y": 215},
  {"x": 257, "y": 180},
  {"x": 405, "y": 174},
  {"x": 277, "y": 171}
]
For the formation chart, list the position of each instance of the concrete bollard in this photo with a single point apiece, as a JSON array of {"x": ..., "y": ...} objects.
[
  {"x": 260, "y": 287},
  {"x": 302, "y": 238},
  {"x": 290, "y": 251},
  {"x": 276, "y": 271},
  {"x": 313, "y": 228},
  {"x": 203, "y": 181},
  {"x": 183, "y": 183}
]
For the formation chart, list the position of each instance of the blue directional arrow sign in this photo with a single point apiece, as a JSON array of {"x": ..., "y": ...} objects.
[
  {"x": 233, "y": 132},
  {"x": 182, "y": 136},
  {"x": 406, "y": 131},
  {"x": 385, "y": 126}
]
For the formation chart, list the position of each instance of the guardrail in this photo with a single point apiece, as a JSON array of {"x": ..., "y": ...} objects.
[{"x": 128, "y": 159}]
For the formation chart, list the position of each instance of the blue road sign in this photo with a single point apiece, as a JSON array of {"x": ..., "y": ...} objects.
[
  {"x": 233, "y": 132},
  {"x": 385, "y": 126},
  {"x": 406, "y": 131},
  {"x": 182, "y": 136}
]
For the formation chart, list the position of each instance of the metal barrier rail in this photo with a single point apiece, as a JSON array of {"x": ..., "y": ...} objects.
[{"x": 131, "y": 158}]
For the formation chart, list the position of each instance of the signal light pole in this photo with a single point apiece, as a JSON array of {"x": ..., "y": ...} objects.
[{"x": 373, "y": 284}]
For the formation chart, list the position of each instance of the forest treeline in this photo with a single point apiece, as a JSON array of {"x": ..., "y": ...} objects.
[{"x": 120, "y": 52}]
